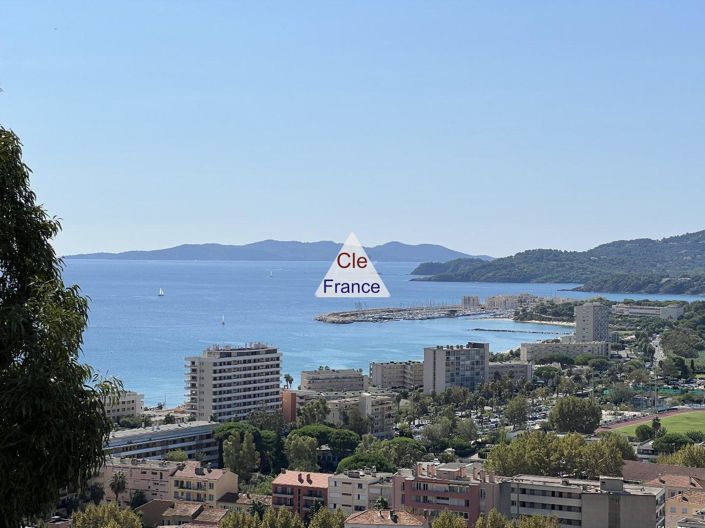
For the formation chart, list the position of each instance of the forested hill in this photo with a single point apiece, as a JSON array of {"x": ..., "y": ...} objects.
[{"x": 671, "y": 265}]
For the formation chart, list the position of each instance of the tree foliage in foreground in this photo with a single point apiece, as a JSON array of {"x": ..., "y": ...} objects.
[
  {"x": 273, "y": 518},
  {"x": 547, "y": 454},
  {"x": 106, "y": 516},
  {"x": 52, "y": 413},
  {"x": 691, "y": 455},
  {"x": 494, "y": 519}
]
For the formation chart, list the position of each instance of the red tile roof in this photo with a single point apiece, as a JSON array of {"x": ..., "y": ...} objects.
[{"x": 302, "y": 478}]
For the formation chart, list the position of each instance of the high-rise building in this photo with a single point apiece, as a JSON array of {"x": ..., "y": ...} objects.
[
  {"x": 230, "y": 382},
  {"x": 333, "y": 380},
  {"x": 455, "y": 365},
  {"x": 592, "y": 322},
  {"x": 397, "y": 374}
]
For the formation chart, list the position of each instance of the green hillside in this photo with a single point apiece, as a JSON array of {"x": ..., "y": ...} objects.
[{"x": 671, "y": 265}]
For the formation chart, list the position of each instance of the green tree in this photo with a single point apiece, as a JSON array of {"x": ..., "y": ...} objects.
[
  {"x": 240, "y": 456},
  {"x": 406, "y": 451},
  {"x": 466, "y": 429},
  {"x": 106, "y": 516},
  {"x": 169, "y": 419},
  {"x": 279, "y": 518},
  {"x": 696, "y": 436},
  {"x": 53, "y": 424},
  {"x": 237, "y": 519},
  {"x": 517, "y": 411},
  {"x": 621, "y": 443},
  {"x": 257, "y": 508},
  {"x": 301, "y": 453},
  {"x": 644, "y": 432},
  {"x": 314, "y": 412},
  {"x": 376, "y": 459},
  {"x": 138, "y": 499},
  {"x": 354, "y": 420},
  {"x": 381, "y": 504},
  {"x": 177, "y": 455},
  {"x": 325, "y": 518},
  {"x": 496, "y": 520},
  {"x": 690, "y": 455},
  {"x": 671, "y": 442},
  {"x": 342, "y": 440},
  {"x": 437, "y": 433},
  {"x": 95, "y": 493},
  {"x": 449, "y": 520},
  {"x": 578, "y": 415}
]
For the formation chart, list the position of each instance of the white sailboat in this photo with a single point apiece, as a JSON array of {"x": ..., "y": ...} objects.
[
  {"x": 271, "y": 274},
  {"x": 161, "y": 292},
  {"x": 222, "y": 321}
]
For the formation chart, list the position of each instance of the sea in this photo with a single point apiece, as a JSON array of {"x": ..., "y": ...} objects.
[{"x": 143, "y": 338}]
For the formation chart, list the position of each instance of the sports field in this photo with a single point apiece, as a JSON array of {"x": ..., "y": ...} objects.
[{"x": 677, "y": 423}]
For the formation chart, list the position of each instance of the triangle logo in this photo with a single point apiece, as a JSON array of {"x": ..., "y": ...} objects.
[{"x": 352, "y": 274}]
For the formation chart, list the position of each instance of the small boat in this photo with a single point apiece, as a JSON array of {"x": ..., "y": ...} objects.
[
  {"x": 222, "y": 321},
  {"x": 161, "y": 292},
  {"x": 271, "y": 274}
]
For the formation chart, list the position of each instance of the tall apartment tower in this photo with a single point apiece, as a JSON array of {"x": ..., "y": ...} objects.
[
  {"x": 231, "y": 382},
  {"x": 455, "y": 365},
  {"x": 592, "y": 322}
]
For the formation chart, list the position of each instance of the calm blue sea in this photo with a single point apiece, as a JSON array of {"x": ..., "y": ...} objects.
[{"x": 143, "y": 339}]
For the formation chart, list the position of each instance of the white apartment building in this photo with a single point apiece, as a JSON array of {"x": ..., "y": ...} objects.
[
  {"x": 129, "y": 403},
  {"x": 609, "y": 503},
  {"x": 397, "y": 374},
  {"x": 592, "y": 322},
  {"x": 359, "y": 490},
  {"x": 455, "y": 365},
  {"x": 537, "y": 351},
  {"x": 670, "y": 312},
  {"x": 333, "y": 380},
  {"x": 156, "y": 441},
  {"x": 226, "y": 383}
]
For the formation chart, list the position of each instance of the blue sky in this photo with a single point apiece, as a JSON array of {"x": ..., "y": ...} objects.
[{"x": 487, "y": 127}]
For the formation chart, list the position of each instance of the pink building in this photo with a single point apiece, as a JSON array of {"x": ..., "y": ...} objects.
[
  {"x": 431, "y": 488},
  {"x": 299, "y": 490}
]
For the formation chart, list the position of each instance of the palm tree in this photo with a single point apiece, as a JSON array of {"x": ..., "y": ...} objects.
[
  {"x": 118, "y": 484},
  {"x": 289, "y": 380}
]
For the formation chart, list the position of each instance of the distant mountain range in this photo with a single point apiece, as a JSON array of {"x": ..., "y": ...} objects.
[
  {"x": 670, "y": 265},
  {"x": 287, "y": 250}
]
